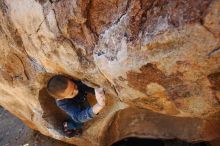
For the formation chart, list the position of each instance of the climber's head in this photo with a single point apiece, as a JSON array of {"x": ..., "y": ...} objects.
[{"x": 61, "y": 87}]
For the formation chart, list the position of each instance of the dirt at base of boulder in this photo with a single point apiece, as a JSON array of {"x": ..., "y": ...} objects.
[{"x": 14, "y": 133}]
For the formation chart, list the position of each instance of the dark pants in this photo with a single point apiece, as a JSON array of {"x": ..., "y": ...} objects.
[{"x": 71, "y": 124}]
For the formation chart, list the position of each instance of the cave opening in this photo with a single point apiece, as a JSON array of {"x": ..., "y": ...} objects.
[
  {"x": 131, "y": 141},
  {"x": 53, "y": 114}
]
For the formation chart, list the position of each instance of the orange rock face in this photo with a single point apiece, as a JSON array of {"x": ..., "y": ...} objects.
[{"x": 158, "y": 60}]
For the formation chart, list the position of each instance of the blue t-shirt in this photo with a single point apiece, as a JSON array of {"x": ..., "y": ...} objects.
[{"x": 78, "y": 107}]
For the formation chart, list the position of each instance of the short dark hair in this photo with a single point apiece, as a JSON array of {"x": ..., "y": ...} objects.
[{"x": 57, "y": 84}]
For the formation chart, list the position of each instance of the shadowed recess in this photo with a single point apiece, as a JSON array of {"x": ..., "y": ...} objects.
[{"x": 155, "y": 142}]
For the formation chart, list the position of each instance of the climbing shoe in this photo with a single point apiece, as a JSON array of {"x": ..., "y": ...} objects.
[{"x": 70, "y": 130}]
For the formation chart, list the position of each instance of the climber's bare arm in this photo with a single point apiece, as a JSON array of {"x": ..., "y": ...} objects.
[{"x": 100, "y": 97}]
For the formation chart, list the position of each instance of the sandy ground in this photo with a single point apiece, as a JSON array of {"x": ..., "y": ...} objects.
[{"x": 14, "y": 133}]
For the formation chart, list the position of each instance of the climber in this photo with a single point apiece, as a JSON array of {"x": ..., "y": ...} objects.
[{"x": 71, "y": 97}]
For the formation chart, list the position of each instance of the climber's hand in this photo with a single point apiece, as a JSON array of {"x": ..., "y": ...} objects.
[{"x": 100, "y": 96}]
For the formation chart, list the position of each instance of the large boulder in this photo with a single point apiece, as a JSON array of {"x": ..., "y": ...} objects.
[{"x": 158, "y": 60}]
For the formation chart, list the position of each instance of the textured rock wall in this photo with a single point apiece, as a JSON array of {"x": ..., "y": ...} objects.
[{"x": 157, "y": 59}]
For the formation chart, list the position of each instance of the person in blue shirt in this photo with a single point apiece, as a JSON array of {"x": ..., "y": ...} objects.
[{"x": 71, "y": 97}]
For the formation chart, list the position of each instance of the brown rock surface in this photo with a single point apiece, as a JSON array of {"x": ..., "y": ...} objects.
[{"x": 158, "y": 60}]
